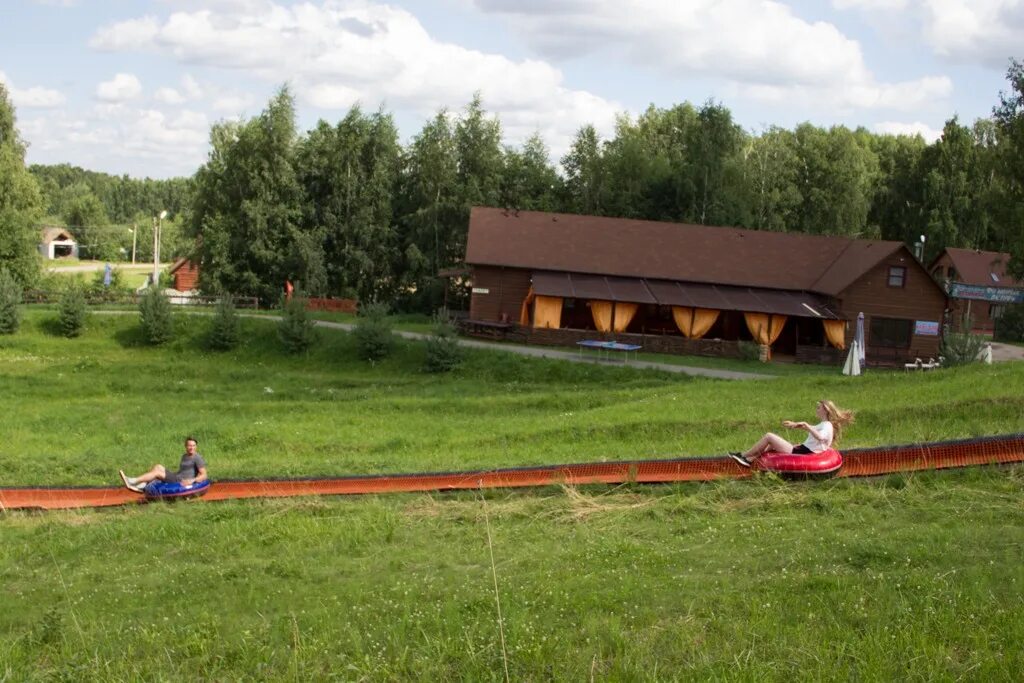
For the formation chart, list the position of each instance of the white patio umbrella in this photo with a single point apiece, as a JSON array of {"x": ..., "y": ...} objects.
[
  {"x": 852, "y": 366},
  {"x": 858, "y": 336}
]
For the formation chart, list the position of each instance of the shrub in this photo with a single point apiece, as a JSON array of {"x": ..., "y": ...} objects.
[
  {"x": 1010, "y": 325},
  {"x": 961, "y": 348},
  {"x": 10, "y": 303},
  {"x": 72, "y": 312},
  {"x": 223, "y": 334},
  {"x": 156, "y": 316},
  {"x": 296, "y": 330},
  {"x": 748, "y": 350},
  {"x": 374, "y": 339},
  {"x": 443, "y": 351}
]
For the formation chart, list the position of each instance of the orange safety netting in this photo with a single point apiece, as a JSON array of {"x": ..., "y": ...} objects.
[{"x": 856, "y": 463}]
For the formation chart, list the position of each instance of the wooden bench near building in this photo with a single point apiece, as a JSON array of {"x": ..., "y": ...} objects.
[{"x": 559, "y": 279}]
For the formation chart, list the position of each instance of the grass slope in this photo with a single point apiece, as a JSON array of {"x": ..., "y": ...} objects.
[{"x": 904, "y": 577}]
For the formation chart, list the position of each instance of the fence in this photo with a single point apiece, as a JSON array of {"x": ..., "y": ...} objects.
[{"x": 132, "y": 299}]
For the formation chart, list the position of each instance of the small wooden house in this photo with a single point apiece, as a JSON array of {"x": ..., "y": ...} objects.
[
  {"x": 978, "y": 285},
  {"x": 184, "y": 275},
  {"x": 677, "y": 288}
]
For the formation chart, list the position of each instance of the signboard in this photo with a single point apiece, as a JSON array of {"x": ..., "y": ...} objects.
[
  {"x": 926, "y": 328},
  {"x": 481, "y": 290},
  {"x": 1001, "y": 295}
]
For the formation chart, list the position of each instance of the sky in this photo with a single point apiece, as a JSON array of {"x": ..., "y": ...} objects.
[{"x": 133, "y": 86}]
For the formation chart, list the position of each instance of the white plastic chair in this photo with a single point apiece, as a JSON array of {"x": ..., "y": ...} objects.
[{"x": 916, "y": 365}]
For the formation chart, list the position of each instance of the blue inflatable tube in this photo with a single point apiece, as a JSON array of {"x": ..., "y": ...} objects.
[{"x": 167, "y": 490}]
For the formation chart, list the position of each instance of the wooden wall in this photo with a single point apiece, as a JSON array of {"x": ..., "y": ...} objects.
[
  {"x": 498, "y": 293},
  {"x": 919, "y": 299},
  {"x": 186, "y": 277}
]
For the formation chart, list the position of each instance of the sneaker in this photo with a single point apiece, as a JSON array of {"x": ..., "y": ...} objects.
[
  {"x": 738, "y": 457},
  {"x": 129, "y": 484}
]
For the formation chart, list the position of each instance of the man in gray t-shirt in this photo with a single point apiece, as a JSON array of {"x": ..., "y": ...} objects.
[{"x": 191, "y": 470}]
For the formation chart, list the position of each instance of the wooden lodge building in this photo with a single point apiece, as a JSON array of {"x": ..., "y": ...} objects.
[
  {"x": 558, "y": 279},
  {"x": 978, "y": 285}
]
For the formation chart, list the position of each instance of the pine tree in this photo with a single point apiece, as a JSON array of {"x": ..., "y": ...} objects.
[
  {"x": 72, "y": 312},
  {"x": 223, "y": 334},
  {"x": 156, "y": 317},
  {"x": 296, "y": 330}
]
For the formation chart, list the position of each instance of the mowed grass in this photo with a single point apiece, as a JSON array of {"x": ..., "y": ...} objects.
[{"x": 907, "y": 577}]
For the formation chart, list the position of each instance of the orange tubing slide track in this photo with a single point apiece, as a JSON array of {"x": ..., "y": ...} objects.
[{"x": 861, "y": 462}]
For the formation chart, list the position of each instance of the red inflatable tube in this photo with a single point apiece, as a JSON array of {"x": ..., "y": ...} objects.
[{"x": 823, "y": 465}]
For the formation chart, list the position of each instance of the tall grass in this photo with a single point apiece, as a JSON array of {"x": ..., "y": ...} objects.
[{"x": 907, "y": 577}]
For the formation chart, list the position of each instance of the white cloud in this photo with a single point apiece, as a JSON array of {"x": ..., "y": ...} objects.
[
  {"x": 916, "y": 128},
  {"x": 191, "y": 87},
  {"x": 168, "y": 96},
  {"x": 758, "y": 46},
  {"x": 343, "y": 51},
  {"x": 870, "y": 5},
  {"x": 236, "y": 104},
  {"x": 35, "y": 97},
  {"x": 975, "y": 31},
  {"x": 118, "y": 138},
  {"x": 57, "y": 3},
  {"x": 119, "y": 89}
]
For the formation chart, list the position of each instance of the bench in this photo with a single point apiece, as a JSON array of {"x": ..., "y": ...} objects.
[{"x": 488, "y": 329}]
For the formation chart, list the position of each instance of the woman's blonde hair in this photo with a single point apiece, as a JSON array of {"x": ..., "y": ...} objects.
[{"x": 837, "y": 416}]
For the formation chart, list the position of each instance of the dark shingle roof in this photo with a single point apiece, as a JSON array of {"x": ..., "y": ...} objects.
[{"x": 670, "y": 251}]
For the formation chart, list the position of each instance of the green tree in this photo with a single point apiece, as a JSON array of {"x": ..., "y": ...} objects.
[
  {"x": 86, "y": 218},
  {"x": 155, "y": 317},
  {"x": 443, "y": 353},
  {"x": 350, "y": 173},
  {"x": 432, "y": 216},
  {"x": 248, "y": 208},
  {"x": 374, "y": 339},
  {"x": 586, "y": 182},
  {"x": 20, "y": 201},
  {"x": 72, "y": 311},
  {"x": 10, "y": 302},
  {"x": 223, "y": 334},
  {"x": 771, "y": 171},
  {"x": 1009, "y": 117},
  {"x": 296, "y": 329},
  {"x": 529, "y": 181},
  {"x": 897, "y": 212},
  {"x": 836, "y": 179}
]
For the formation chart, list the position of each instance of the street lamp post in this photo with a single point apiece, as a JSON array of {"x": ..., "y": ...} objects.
[
  {"x": 134, "y": 231},
  {"x": 157, "y": 221}
]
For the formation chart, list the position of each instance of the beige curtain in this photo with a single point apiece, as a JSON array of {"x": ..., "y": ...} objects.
[
  {"x": 766, "y": 329},
  {"x": 694, "y": 323},
  {"x": 547, "y": 311},
  {"x": 602, "y": 312},
  {"x": 835, "y": 332},
  {"x": 524, "y": 310},
  {"x": 624, "y": 313}
]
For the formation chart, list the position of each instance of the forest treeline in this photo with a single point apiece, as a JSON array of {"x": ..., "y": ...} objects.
[{"x": 347, "y": 209}]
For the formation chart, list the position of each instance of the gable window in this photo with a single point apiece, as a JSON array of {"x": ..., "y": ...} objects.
[
  {"x": 897, "y": 276},
  {"x": 890, "y": 332}
]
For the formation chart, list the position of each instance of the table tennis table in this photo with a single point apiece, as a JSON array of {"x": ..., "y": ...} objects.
[{"x": 604, "y": 348}]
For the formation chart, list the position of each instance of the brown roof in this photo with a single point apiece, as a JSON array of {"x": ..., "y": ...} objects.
[
  {"x": 670, "y": 251},
  {"x": 52, "y": 233},
  {"x": 976, "y": 267}
]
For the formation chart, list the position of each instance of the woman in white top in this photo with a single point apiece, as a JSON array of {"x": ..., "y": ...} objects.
[{"x": 820, "y": 437}]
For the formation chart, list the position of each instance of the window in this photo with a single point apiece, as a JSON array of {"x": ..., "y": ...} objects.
[
  {"x": 890, "y": 332},
  {"x": 995, "y": 310},
  {"x": 897, "y": 276}
]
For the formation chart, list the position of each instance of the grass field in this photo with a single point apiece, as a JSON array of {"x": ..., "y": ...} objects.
[{"x": 906, "y": 577}]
